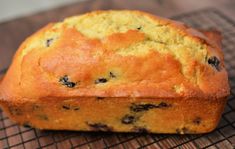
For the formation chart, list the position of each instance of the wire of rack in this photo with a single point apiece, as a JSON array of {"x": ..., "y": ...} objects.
[{"x": 15, "y": 136}]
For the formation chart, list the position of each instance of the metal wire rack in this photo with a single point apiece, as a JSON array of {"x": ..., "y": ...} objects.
[{"x": 14, "y": 136}]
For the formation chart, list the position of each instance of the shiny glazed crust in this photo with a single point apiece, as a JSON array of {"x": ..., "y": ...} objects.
[{"x": 66, "y": 78}]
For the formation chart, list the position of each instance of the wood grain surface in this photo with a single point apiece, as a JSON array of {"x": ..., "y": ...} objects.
[{"x": 12, "y": 33}]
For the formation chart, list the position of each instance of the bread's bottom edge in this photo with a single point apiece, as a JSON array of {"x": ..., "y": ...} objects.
[{"x": 153, "y": 115}]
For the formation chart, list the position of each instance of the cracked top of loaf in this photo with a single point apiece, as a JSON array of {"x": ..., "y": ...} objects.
[{"x": 117, "y": 54}]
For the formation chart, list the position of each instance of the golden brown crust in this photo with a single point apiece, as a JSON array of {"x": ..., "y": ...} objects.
[
  {"x": 39, "y": 74},
  {"x": 177, "y": 115},
  {"x": 47, "y": 66},
  {"x": 159, "y": 88}
]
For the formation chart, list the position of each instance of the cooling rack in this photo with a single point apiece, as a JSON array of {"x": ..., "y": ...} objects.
[{"x": 14, "y": 136}]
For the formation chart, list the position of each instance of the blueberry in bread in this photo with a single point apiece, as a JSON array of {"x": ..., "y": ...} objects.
[{"x": 122, "y": 71}]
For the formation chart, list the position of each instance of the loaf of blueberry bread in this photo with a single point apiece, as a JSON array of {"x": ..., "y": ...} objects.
[{"x": 122, "y": 71}]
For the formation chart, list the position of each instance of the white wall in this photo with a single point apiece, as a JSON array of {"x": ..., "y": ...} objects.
[{"x": 10, "y": 9}]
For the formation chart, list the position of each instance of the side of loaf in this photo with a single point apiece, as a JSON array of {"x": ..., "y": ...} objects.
[
  {"x": 124, "y": 71},
  {"x": 155, "y": 115}
]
